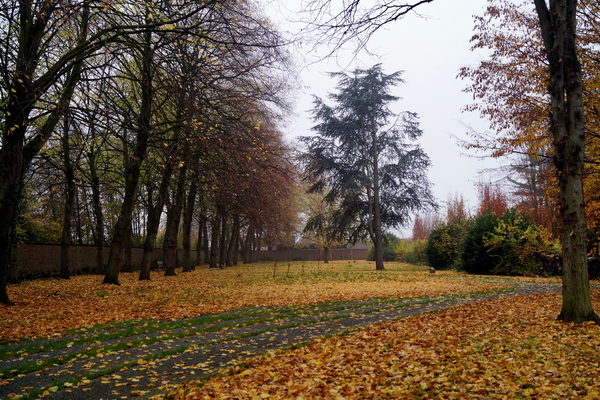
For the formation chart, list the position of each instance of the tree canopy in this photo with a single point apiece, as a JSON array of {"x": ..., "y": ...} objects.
[
  {"x": 538, "y": 90},
  {"x": 156, "y": 104},
  {"x": 364, "y": 157}
]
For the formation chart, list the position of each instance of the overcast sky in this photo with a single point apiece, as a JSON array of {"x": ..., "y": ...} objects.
[{"x": 430, "y": 51}]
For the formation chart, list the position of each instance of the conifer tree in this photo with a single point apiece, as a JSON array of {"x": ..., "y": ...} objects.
[{"x": 364, "y": 157}]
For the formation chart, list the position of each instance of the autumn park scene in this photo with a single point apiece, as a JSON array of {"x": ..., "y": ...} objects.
[{"x": 169, "y": 229}]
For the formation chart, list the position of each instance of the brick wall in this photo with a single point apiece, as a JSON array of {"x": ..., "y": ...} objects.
[{"x": 45, "y": 258}]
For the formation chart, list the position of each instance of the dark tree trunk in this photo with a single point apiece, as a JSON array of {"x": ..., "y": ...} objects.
[
  {"x": 236, "y": 247},
  {"x": 188, "y": 217},
  {"x": 70, "y": 189},
  {"x": 247, "y": 246},
  {"x": 205, "y": 242},
  {"x": 256, "y": 245},
  {"x": 223, "y": 240},
  {"x": 232, "y": 249},
  {"x": 98, "y": 214},
  {"x": 12, "y": 158},
  {"x": 376, "y": 212},
  {"x": 115, "y": 258},
  {"x": 127, "y": 266},
  {"x": 77, "y": 212},
  {"x": 153, "y": 221},
  {"x": 173, "y": 219},
  {"x": 214, "y": 240},
  {"x": 202, "y": 237},
  {"x": 372, "y": 190},
  {"x": 14, "y": 155},
  {"x": 133, "y": 164},
  {"x": 558, "y": 27}
]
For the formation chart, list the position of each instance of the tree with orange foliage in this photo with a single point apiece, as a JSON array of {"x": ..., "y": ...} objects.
[
  {"x": 456, "y": 208},
  {"x": 420, "y": 230},
  {"x": 510, "y": 89},
  {"x": 533, "y": 92},
  {"x": 491, "y": 199}
]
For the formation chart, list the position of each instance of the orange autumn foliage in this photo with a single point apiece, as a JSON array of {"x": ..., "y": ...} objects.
[
  {"x": 506, "y": 348},
  {"x": 510, "y": 90}
]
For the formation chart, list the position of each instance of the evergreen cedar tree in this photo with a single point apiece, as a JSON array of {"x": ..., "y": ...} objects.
[{"x": 363, "y": 157}]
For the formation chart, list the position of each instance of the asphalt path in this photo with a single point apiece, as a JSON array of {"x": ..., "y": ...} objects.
[{"x": 154, "y": 360}]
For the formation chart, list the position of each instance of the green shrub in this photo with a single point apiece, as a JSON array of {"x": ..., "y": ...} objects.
[
  {"x": 444, "y": 244},
  {"x": 416, "y": 254},
  {"x": 504, "y": 246},
  {"x": 411, "y": 251},
  {"x": 475, "y": 258},
  {"x": 402, "y": 249},
  {"x": 512, "y": 243}
]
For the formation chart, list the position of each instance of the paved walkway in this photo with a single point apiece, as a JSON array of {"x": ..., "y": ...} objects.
[{"x": 154, "y": 362}]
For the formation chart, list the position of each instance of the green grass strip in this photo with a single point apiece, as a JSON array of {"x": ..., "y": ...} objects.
[{"x": 92, "y": 352}]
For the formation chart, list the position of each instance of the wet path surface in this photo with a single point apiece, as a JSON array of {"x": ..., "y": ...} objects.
[{"x": 154, "y": 358}]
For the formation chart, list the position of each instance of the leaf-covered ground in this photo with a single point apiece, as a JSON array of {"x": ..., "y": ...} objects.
[
  {"x": 53, "y": 306},
  {"x": 511, "y": 348}
]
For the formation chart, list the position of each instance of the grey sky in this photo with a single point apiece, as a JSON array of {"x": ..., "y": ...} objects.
[{"x": 430, "y": 51}]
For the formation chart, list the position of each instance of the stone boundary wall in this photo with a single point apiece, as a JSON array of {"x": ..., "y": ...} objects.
[{"x": 45, "y": 258}]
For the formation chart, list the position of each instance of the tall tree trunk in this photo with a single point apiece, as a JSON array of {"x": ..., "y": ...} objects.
[
  {"x": 11, "y": 193},
  {"x": 77, "y": 215},
  {"x": 377, "y": 206},
  {"x": 223, "y": 240},
  {"x": 206, "y": 243},
  {"x": 115, "y": 258},
  {"x": 237, "y": 245},
  {"x": 232, "y": 249},
  {"x": 326, "y": 254},
  {"x": 247, "y": 245},
  {"x": 188, "y": 217},
  {"x": 98, "y": 214},
  {"x": 214, "y": 240},
  {"x": 127, "y": 266},
  {"x": 375, "y": 230},
  {"x": 173, "y": 219},
  {"x": 256, "y": 245},
  {"x": 245, "y": 248},
  {"x": 133, "y": 165},
  {"x": 202, "y": 238},
  {"x": 558, "y": 27},
  {"x": 153, "y": 221},
  {"x": 70, "y": 189}
]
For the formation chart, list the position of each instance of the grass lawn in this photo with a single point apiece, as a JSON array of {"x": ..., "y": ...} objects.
[
  {"x": 509, "y": 348},
  {"x": 52, "y": 306}
]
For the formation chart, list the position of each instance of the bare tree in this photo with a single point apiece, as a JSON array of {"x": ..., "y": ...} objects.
[{"x": 333, "y": 24}]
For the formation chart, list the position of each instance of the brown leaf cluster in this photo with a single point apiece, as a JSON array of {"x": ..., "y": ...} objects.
[
  {"x": 509, "y": 348},
  {"x": 51, "y": 306}
]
